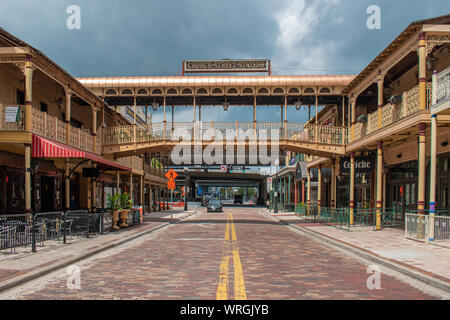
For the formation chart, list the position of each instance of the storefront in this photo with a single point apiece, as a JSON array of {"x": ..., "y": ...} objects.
[{"x": 401, "y": 187}]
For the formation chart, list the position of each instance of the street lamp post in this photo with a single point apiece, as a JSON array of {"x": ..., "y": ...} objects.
[{"x": 186, "y": 173}]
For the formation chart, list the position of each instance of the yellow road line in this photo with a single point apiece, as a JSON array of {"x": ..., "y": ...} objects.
[
  {"x": 222, "y": 293},
  {"x": 239, "y": 284},
  {"x": 233, "y": 230}
]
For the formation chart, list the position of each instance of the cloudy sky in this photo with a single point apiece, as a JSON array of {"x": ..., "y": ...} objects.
[{"x": 152, "y": 37}]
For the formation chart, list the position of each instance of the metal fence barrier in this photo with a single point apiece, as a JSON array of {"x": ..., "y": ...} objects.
[
  {"x": 427, "y": 228},
  {"x": 34, "y": 229}
]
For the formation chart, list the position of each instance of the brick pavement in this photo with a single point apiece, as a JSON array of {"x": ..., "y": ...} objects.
[
  {"x": 23, "y": 262},
  {"x": 389, "y": 243},
  {"x": 183, "y": 262}
]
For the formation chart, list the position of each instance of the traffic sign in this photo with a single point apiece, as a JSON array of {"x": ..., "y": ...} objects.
[
  {"x": 171, "y": 184},
  {"x": 171, "y": 175}
]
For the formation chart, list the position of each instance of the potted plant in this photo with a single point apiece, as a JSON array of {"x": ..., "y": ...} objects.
[
  {"x": 126, "y": 203},
  {"x": 114, "y": 206}
]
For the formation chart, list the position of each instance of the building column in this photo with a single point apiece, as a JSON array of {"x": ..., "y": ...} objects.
[
  {"x": 352, "y": 186},
  {"x": 422, "y": 72},
  {"x": 254, "y": 113},
  {"x": 94, "y": 127},
  {"x": 134, "y": 119},
  {"x": 379, "y": 183},
  {"x": 433, "y": 162},
  {"x": 333, "y": 183},
  {"x": 131, "y": 188},
  {"x": 118, "y": 182},
  {"x": 303, "y": 191},
  {"x": 353, "y": 120},
  {"x": 93, "y": 192},
  {"x": 289, "y": 191},
  {"x": 319, "y": 189},
  {"x": 295, "y": 193},
  {"x": 308, "y": 196},
  {"x": 28, "y": 127},
  {"x": 285, "y": 117},
  {"x": 141, "y": 193},
  {"x": 165, "y": 121},
  {"x": 380, "y": 84},
  {"x": 422, "y": 164},
  {"x": 67, "y": 183},
  {"x": 317, "y": 121}
]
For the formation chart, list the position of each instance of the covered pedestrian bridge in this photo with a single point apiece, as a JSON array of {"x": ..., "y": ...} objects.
[{"x": 304, "y": 93}]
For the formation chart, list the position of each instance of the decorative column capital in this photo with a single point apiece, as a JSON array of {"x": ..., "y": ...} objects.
[
  {"x": 422, "y": 129},
  {"x": 379, "y": 145}
]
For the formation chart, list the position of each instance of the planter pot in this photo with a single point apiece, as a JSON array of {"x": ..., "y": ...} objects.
[
  {"x": 124, "y": 218},
  {"x": 115, "y": 219}
]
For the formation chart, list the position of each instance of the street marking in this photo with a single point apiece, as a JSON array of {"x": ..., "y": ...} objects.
[
  {"x": 239, "y": 284},
  {"x": 222, "y": 293}
]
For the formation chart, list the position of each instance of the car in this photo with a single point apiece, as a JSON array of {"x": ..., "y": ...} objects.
[
  {"x": 214, "y": 205},
  {"x": 238, "y": 199}
]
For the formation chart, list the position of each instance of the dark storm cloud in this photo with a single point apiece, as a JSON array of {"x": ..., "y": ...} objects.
[{"x": 127, "y": 38}]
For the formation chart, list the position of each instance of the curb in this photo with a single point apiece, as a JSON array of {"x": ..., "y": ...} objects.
[
  {"x": 39, "y": 273},
  {"x": 371, "y": 257}
]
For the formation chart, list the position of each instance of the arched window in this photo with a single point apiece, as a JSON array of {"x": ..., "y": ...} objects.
[
  {"x": 202, "y": 91},
  {"x": 294, "y": 90},
  {"x": 263, "y": 90},
  {"x": 278, "y": 90},
  {"x": 217, "y": 91},
  {"x": 157, "y": 91},
  {"x": 171, "y": 91},
  {"x": 309, "y": 90},
  {"x": 232, "y": 91},
  {"x": 142, "y": 91},
  {"x": 127, "y": 92},
  {"x": 325, "y": 90},
  {"x": 111, "y": 92},
  {"x": 247, "y": 91},
  {"x": 186, "y": 91}
]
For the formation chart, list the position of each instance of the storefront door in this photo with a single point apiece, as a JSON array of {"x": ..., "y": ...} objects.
[{"x": 444, "y": 194}]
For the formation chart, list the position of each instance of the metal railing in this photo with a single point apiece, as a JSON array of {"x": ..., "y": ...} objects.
[
  {"x": 51, "y": 127},
  {"x": 427, "y": 228},
  {"x": 24, "y": 229},
  {"x": 443, "y": 87},
  {"x": 324, "y": 134}
]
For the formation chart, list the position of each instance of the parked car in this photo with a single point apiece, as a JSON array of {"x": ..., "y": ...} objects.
[
  {"x": 214, "y": 205},
  {"x": 238, "y": 199}
]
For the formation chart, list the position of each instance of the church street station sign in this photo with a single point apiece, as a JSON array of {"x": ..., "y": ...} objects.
[{"x": 202, "y": 66}]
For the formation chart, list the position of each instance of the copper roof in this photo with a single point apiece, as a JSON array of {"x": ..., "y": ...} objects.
[
  {"x": 411, "y": 29},
  {"x": 198, "y": 81}
]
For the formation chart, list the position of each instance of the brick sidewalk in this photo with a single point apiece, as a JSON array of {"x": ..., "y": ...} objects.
[
  {"x": 389, "y": 243},
  {"x": 24, "y": 263}
]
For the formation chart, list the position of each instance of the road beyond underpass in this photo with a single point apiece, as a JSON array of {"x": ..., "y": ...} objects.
[{"x": 235, "y": 255}]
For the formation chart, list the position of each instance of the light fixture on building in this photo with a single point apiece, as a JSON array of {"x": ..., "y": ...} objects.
[
  {"x": 225, "y": 105},
  {"x": 155, "y": 106},
  {"x": 444, "y": 144}
]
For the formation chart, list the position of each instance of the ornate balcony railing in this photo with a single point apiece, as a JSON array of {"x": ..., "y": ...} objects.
[
  {"x": 290, "y": 131},
  {"x": 442, "y": 87},
  {"x": 391, "y": 113},
  {"x": 50, "y": 127}
]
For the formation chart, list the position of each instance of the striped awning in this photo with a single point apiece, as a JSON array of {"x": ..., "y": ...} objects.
[{"x": 46, "y": 148}]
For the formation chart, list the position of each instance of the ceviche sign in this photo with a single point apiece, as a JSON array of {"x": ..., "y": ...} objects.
[{"x": 249, "y": 65}]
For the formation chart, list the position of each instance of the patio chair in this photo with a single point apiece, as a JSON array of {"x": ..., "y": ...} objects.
[
  {"x": 8, "y": 238},
  {"x": 54, "y": 227}
]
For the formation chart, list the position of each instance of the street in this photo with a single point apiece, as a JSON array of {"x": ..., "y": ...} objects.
[{"x": 235, "y": 255}]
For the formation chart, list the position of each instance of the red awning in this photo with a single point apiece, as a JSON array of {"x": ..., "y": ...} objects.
[{"x": 46, "y": 148}]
